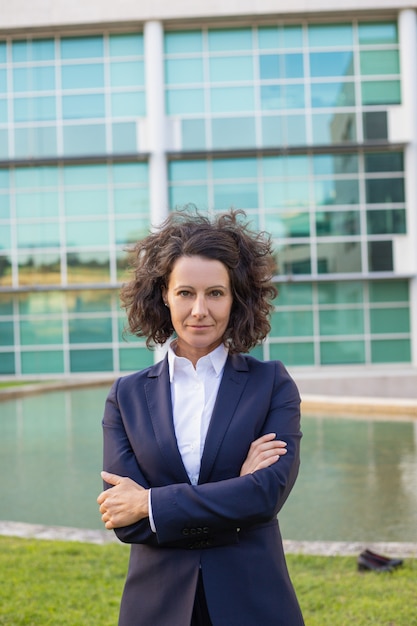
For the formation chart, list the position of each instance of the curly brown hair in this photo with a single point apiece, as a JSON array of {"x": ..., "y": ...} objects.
[{"x": 226, "y": 238}]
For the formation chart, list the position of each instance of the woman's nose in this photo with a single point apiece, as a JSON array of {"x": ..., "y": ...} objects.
[{"x": 199, "y": 307}]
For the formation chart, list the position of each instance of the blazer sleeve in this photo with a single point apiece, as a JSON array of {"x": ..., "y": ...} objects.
[
  {"x": 119, "y": 458},
  {"x": 181, "y": 510}
]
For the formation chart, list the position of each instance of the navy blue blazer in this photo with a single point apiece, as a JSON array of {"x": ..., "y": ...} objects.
[{"x": 226, "y": 525}]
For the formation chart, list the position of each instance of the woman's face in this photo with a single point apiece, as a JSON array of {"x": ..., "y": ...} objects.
[{"x": 200, "y": 300}]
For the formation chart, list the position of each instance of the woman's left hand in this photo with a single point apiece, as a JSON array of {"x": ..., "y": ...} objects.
[{"x": 123, "y": 504}]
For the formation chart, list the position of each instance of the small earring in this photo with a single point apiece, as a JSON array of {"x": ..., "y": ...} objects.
[{"x": 166, "y": 304}]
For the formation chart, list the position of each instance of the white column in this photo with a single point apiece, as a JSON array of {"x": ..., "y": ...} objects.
[
  {"x": 407, "y": 24},
  {"x": 156, "y": 121}
]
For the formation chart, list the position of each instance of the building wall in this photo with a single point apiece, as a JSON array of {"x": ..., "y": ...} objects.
[{"x": 303, "y": 123}]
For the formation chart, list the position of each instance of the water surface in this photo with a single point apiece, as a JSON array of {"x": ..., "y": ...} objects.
[{"x": 358, "y": 478}]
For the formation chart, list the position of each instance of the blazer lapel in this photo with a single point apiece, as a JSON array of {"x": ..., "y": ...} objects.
[
  {"x": 158, "y": 397},
  {"x": 234, "y": 379}
]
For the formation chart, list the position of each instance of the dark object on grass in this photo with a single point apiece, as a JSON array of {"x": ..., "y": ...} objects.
[{"x": 368, "y": 560}]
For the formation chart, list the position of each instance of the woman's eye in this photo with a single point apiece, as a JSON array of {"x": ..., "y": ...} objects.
[
  {"x": 216, "y": 293},
  {"x": 184, "y": 293}
]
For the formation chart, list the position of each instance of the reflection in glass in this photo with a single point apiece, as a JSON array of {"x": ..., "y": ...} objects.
[
  {"x": 6, "y": 334},
  {"x": 293, "y": 259},
  {"x": 293, "y": 353},
  {"x": 330, "y": 35},
  {"x": 389, "y": 221},
  {"x": 389, "y": 291},
  {"x": 90, "y": 330},
  {"x": 384, "y": 162},
  {"x": 82, "y": 76},
  {"x": 35, "y": 142},
  {"x": 38, "y": 234},
  {"x": 280, "y": 37},
  {"x": 230, "y": 68},
  {"x": 379, "y": 62},
  {"x": 281, "y": 66},
  {"x": 35, "y": 109},
  {"x": 7, "y": 364},
  {"x": 86, "y": 267},
  {"x": 339, "y": 257},
  {"x": 287, "y": 96},
  {"x": 37, "y": 204},
  {"x": 41, "y": 78},
  {"x": 131, "y": 200},
  {"x": 337, "y": 223},
  {"x": 84, "y": 139},
  {"x": 333, "y": 191},
  {"x": 392, "y": 320},
  {"x": 130, "y": 231},
  {"x": 286, "y": 193},
  {"x": 38, "y": 331},
  {"x": 377, "y": 33},
  {"x": 331, "y": 64},
  {"x": 239, "y": 195},
  {"x": 385, "y": 190},
  {"x": 91, "y": 301},
  {"x": 45, "y": 302},
  {"x": 391, "y": 351},
  {"x": 381, "y": 92},
  {"x": 193, "y": 134},
  {"x": 87, "y": 233},
  {"x": 296, "y": 324},
  {"x": 287, "y": 224},
  {"x": 181, "y": 195},
  {"x": 86, "y": 202},
  {"x": 228, "y": 99},
  {"x": 346, "y": 292},
  {"x": 335, "y": 164},
  {"x": 91, "y": 360},
  {"x": 332, "y": 94},
  {"x": 294, "y": 294},
  {"x": 331, "y": 128},
  {"x": 39, "y": 268}
]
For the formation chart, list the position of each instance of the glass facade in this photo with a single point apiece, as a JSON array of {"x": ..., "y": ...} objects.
[{"x": 286, "y": 121}]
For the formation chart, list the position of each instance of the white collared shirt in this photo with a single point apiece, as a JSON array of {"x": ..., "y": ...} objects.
[{"x": 193, "y": 395}]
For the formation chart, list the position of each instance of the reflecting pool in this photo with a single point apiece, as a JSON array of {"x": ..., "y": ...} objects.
[{"x": 358, "y": 478}]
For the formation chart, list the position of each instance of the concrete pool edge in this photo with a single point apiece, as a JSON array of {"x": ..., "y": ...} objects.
[{"x": 319, "y": 548}]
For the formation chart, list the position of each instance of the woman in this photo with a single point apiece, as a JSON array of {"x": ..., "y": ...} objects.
[{"x": 202, "y": 449}]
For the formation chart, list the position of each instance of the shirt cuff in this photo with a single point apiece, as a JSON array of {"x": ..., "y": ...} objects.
[{"x": 151, "y": 522}]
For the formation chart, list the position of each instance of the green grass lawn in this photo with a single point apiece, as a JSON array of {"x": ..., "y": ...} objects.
[{"x": 54, "y": 583}]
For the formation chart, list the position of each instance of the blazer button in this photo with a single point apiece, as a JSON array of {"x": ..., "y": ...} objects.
[
  {"x": 205, "y": 530},
  {"x": 185, "y": 531}
]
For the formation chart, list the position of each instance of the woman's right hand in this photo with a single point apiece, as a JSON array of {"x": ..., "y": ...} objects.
[{"x": 263, "y": 452}]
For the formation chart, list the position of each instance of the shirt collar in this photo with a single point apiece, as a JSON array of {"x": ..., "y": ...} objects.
[{"x": 216, "y": 357}]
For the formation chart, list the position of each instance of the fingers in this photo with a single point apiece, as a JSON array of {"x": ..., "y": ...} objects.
[{"x": 111, "y": 479}]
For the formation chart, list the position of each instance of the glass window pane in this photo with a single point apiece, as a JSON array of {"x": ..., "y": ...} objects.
[
  {"x": 378, "y": 32},
  {"x": 348, "y": 292},
  {"x": 336, "y": 191},
  {"x": 86, "y": 202},
  {"x": 132, "y": 200},
  {"x": 28, "y": 177},
  {"x": 239, "y": 195},
  {"x": 34, "y": 109},
  {"x": 384, "y": 162},
  {"x": 94, "y": 301},
  {"x": 130, "y": 44},
  {"x": 88, "y": 267},
  {"x": 293, "y": 259},
  {"x": 184, "y": 101},
  {"x": 3, "y": 120},
  {"x": 7, "y": 363},
  {"x": 395, "y": 320},
  {"x": 83, "y": 106},
  {"x": 124, "y": 138},
  {"x": 39, "y": 204},
  {"x": 331, "y": 128},
  {"x": 5, "y": 237},
  {"x": 380, "y": 256},
  {"x": 381, "y": 92},
  {"x": 379, "y": 62},
  {"x": 3, "y": 81},
  {"x": 91, "y": 360},
  {"x": 90, "y": 330},
  {"x": 77, "y": 175},
  {"x": 330, "y": 35},
  {"x": 39, "y": 268},
  {"x": 234, "y": 168},
  {"x": 38, "y": 235},
  {"x": 6, "y": 304},
  {"x": 6, "y": 334},
  {"x": 187, "y": 170},
  {"x": 391, "y": 351},
  {"x": 294, "y": 294},
  {"x": 339, "y": 257},
  {"x": 134, "y": 359},
  {"x": 180, "y": 196},
  {"x": 331, "y": 64},
  {"x": 341, "y": 322},
  {"x": 130, "y": 231},
  {"x": 290, "y": 96},
  {"x": 280, "y": 37},
  {"x": 38, "y": 303},
  {"x": 35, "y": 50},
  {"x": 236, "y": 39},
  {"x": 388, "y": 291},
  {"x": 130, "y": 173},
  {"x": 297, "y": 353},
  {"x": 230, "y": 69},
  {"x": 229, "y": 99},
  {"x": 81, "y": 47},
  {"x": 385, "y": 190},
  {"x": 238, "y": 132},
  {"x": 85, "y": 76},
  {"x": 288, "y": 224},
  {"x": 340, "y": 352},
  {"x": 390, "y": 221},
  {"x": 87, "y": 233},
  {"x": 4, "y": 206},
  {"x": 84, "y": 139},
  {"x": 43, "y": 362},
  {"x": 332, "y": 94},
  {"x": 127, "y": 74},
  {"x": 292, "y": 324},
  {"x": 184, "y": 71},
  {"x": 128, "y": 104},
  {"x": 3, "y": 52},
  {"x": 193, "y": 134},
  {"x": 289, "y": 193},
  {"x": 41, "y": 332},
  {"x": 34, "y": 78},
  {"x": 337, "y": 223},
  {"x": 183, "y": 41},
  {"x": 5, "y": 270},
  {"x": 31, "y": 142}
]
